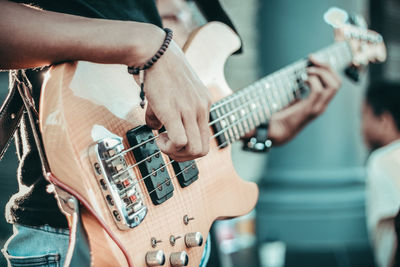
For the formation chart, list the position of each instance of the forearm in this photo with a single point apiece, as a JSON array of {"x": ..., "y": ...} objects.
[{"x": 33, "y": 38}]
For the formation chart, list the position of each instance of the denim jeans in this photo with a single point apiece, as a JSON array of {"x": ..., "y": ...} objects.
[
  {"x": 36, "y": 246},
  {"x": 46, "y": 246}
]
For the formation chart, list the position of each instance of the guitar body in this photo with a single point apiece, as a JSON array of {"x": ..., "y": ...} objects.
[{"x": 84, "y": 102}]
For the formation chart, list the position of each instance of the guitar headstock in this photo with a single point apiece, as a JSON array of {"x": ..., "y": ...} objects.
[{"x": 366, "y": 45}]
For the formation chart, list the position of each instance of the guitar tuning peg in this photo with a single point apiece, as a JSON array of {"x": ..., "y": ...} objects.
[
  {"x": 358, "y": 20},
  {"x": 336, "y": 17},
  {"x": 353, "y": 73}
]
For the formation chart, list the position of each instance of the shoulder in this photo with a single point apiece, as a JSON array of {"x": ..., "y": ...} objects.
[{"x": 385, "y": 160}]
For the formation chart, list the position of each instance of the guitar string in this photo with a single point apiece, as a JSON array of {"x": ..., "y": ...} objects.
[
  {"x": 172, "y": 161},
  {"x": 169, "y": 178},
  {"x": 151, "y": 139},
  {"x": 155, "y": 137},
  {"x": 196, "y": 161},
  {"x": 291, "y": 70},
  {"x": 236, "y": 133},
  {"x": 215, "y": 135},
  {"x": 177, "y": 174}
]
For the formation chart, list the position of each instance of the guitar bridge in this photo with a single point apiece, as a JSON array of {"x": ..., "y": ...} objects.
[{"x": 118, "y": 183}]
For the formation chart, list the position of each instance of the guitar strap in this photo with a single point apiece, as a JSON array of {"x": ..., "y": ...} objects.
[
  {"x": 18, "y": 102},
  {"x": 10, "y": 115}
]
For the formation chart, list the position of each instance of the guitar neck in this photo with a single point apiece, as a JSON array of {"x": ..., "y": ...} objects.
[{"x": 236, "y": 115}]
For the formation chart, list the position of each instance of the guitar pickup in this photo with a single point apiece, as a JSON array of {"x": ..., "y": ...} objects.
[
  {"x": 152, "y": 165},
  {"x": 186, "y": 172}
]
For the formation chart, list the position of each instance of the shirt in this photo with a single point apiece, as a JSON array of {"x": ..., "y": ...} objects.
[{"x": 383, "y": 200}]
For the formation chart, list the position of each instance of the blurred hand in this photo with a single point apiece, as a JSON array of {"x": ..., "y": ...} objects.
[
  {"x": 178, "y": 100},
  {"x": 324, "y": 83}
]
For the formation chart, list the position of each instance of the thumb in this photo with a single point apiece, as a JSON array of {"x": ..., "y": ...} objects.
[{"x": 152, "y": 120}]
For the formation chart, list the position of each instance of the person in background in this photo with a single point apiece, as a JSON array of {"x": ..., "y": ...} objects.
[{"x": 381, "y": 131}]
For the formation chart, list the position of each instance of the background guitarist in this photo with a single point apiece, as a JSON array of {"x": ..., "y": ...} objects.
[{"x": 115, "y": 32}]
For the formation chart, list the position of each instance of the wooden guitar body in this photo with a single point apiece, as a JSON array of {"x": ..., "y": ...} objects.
[{"x": 84, "y": 102}]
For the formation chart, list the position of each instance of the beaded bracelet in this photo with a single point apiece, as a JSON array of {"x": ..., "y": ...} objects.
[{"x": 141, "y": 70}]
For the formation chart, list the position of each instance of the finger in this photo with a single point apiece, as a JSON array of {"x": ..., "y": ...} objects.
[
  {"x": 151, "y": 119},
  {"x": 316, "y": 94},
  {"x": 175, "y": 138},
  {"x": 165, "y": 145},
  {"x": 315, "y": 86},
  {"x": 194, "y": 144},
  {"x": 327, "y": 78},
  {"x": 319, "y": 64},
  {"x": 322, "y": 98},
  {"x": 203, "y": 120}
]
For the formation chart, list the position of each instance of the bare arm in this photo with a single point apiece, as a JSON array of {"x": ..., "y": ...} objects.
[{"x": 33, "y": 37}]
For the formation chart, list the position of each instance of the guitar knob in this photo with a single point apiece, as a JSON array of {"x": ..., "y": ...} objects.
[
  {"x": 194, "y": 239},
  {"x": 155, "y": 258},
  {"x": 179, "y": 259}
]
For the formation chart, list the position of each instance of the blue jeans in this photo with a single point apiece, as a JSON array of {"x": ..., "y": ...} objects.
[
  {"x": 46, "y": 246},
  {"x": 36, "y": 246}
]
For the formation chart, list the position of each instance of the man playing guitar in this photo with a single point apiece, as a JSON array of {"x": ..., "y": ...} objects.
[{"x": 110, "y": 32}]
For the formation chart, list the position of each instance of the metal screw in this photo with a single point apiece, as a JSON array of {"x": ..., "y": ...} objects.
[
  {"x": 154, "y": 242},
  {"x": 186, "y": 219},
  {"x": 159, "y": 187},
  {"x": 172, "y": 239},
  {"x": 97, "y": 168},
  {"x": 71, "y": 203}
]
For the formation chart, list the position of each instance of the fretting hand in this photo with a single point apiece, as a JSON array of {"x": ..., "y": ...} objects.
[{"x": 323, "y": 83}]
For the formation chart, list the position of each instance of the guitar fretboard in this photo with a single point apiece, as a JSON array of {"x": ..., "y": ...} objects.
[{"x": 235, "y": 115}]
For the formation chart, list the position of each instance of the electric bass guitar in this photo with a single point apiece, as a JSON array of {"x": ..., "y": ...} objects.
[{"x": 140, "y": 207}]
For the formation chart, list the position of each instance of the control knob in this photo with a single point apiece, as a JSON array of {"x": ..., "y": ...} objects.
[
  {"x": 194, "y": 239},
  {"x": 179, "y": 259},
  {"x": 155, "y": 258}
]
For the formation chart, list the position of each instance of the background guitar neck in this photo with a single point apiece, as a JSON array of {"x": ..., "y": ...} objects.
[{"x": 235, "y": 115}]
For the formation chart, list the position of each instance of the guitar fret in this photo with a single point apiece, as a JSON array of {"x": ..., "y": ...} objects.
[
  {"x": 263, "y": 99},
  {"x": 234, "y": 118},
  {"x": 242, "y": 127},
  {"x": 292, "y": 84},
  {"x": 272, "y": 106},
  {"x": 283, "y": 92},
  {"x": 231, "y": 129},
  {"x": 243, "y": 112},
  {"x": 251, "y": 106},
  {"x": 264, "y": 90},
  {"x": 224, "y": 124},
  {"x": 256, "y": 97},
  {"x": 255, "y": 104},
  {"x": 276, "y": 101}
]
